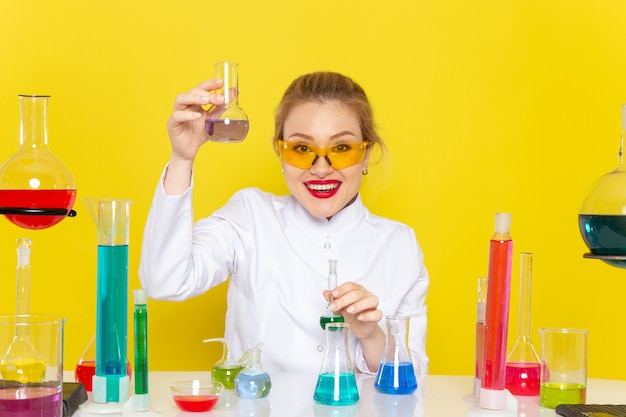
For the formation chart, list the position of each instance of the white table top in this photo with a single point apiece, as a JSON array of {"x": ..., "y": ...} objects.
[{"x": 292, "y": 396}]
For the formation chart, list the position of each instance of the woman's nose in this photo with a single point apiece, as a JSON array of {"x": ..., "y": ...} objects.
[{"x": 321, "y": 166}]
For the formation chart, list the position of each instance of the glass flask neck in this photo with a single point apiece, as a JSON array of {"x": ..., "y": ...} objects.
[
  {"x": 231, "y": 80},
  {"x": 33, "y": 122},
  {"x": 337, "y": 354},
  {"x": 526, "y": 272},
  {"x": 254, "y": 358},
  {"x": 397, "y": 339}
]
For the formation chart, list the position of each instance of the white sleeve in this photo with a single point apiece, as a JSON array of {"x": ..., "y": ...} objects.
[{"x": 173, "y": 266}]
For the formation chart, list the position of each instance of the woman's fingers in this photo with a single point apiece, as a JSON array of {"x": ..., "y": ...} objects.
[{"x": 353, "y": 299}]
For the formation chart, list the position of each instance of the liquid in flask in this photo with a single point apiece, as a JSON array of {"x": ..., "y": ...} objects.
[
  {"x": 253, "y": 381},
  {"x": 601, "y": 221},
  {"x": 228, "y": 122},
  {"x": 396, "y": 374},
  {"x": 226, "y": 369},
  {"x": 523, "y": 367},
  {"x": 37, "y": 189},
  {"x": 336, "y": 382}
]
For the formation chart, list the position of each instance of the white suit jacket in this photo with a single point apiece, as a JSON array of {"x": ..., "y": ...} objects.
[{"x": 276, "y": 255}]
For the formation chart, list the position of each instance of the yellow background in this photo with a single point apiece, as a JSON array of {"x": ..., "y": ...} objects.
[{"x": 486, "y": 106}]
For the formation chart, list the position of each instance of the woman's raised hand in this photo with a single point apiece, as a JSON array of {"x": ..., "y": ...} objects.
[
  {"x": 186, "y": 123},
  {"x": 187, "y": 132}
]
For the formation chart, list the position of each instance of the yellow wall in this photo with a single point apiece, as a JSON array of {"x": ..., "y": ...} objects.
[{"x": 485, "y": 105}]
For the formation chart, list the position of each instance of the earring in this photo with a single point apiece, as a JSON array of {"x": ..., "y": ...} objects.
[
  {"x": 365, "y": 171},
  {"x": 282, "y": 170}
]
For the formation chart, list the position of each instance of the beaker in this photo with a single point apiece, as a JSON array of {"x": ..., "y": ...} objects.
[
  {"x": 253, "y": 381},
  {"x": 563, "y": 366},
  {"x": 336, "y": 382},
  {"x": 227, "y": 122},
  {"x": 396, "y": 374},
  {"x": 523, "y": 368},
  {"x": 225, "y": 370},
  {"x": 602, "y": 217},
  {"x": 328, "y": 316},
  {"x": 37, "y": 190},
  {"x": 43, "y": 397},
  {"x": 111, "y": 382}
]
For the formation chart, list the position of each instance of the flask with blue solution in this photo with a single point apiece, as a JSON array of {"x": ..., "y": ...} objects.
[
  {"x": 336, "y": 383},
  {"x": 253, "y": 381},
  {"x": 396, "y": 374}
]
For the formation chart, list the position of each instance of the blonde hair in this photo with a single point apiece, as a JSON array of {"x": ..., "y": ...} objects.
[{"x": 322, "y": 87}]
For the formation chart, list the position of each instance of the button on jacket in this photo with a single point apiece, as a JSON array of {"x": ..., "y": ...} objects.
[{"x": 276, "y": 255}]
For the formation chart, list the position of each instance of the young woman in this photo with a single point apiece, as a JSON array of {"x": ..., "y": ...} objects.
[{"x": 276, "y": 249}]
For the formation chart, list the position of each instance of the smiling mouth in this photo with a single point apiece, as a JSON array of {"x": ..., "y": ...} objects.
[{"x": 322, "y": 187}]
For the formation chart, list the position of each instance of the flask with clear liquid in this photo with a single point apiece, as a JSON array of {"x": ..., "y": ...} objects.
[
  {"x": 228, "y": 122},
  {"x": 396, "y": 374},
  {"x": 523, "y": 367},
  {"x": 336, "y": 382},
  {"x": 37, "y": 189},
  {"x": 253, "y": 381}
]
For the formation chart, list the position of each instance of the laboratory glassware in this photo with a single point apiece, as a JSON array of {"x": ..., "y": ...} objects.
[
  {"x": 225, "y": 370},
  {"x": 602, "y": 218},
  {"x": 492, "y": 391},
  {"x": 523, "y": 367},
  {"x": 396, "y": 374},
  {"x": 110, "y": 384},
  {"x": 37, "y": 189},
  {"x": 21, "y": 361},
  {"x": 329, "y": 316},
  {"x": 227, "y": 122},
  {"x": 86, "y": 366},
  {"x": 141, "y": 399},
  {"x": 44, "y": 396},
  {"x": 479, "y": 363},
  {"x": 336, "y": 382},
  {"x": 563, "y": 366},
  {"x": 253, "y": 381}
]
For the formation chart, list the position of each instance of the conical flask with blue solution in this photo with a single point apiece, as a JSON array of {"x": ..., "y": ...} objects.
[
  {"x": 396, "y": 374},
  {"x": 336, "y": 383}
]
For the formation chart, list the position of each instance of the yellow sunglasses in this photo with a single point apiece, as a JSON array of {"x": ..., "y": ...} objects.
[{"x": 340, "y": 156}]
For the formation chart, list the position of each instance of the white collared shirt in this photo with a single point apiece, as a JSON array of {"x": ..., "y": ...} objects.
[{"x": 276, "y": 255}]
